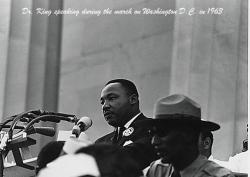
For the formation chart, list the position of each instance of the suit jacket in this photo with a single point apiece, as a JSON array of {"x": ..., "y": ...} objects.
[{"x": 137, "y": 143}]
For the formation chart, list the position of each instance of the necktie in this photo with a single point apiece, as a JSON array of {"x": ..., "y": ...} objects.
[{"x": 120, "y": 132}]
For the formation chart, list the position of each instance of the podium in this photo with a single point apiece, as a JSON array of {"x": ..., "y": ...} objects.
[
  {"x": 12, "y": 170},
  {"x": 18, "y": 162}
]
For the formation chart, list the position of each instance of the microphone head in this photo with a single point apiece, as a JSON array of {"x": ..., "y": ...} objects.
[{"x": 84, "y": 123}]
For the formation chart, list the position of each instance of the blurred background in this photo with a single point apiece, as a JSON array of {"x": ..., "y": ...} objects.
[{"x": 61, "y": 63}]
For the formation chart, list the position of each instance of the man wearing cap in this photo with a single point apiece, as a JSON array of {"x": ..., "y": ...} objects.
[
  {"x": 175, "y": 128},
  {"x": 120, "y": 106}
]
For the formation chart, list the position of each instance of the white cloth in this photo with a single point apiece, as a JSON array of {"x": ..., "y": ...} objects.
[
  {"x": 73, "y": 144},
  {"x": 71, "y": 165},
  {"x": 237, "y": 163}
]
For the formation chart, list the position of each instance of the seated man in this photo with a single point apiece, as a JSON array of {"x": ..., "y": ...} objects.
[{"x": 176, "y": 128}]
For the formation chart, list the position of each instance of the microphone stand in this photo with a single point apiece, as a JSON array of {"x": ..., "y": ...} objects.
[
  {"x": 4, "y": 152},
  {"x": 1, "y": 163},
  {"x": 8, "y": 142}
]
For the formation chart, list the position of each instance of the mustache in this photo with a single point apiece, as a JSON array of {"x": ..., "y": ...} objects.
[{"x": 106, "y": 112}]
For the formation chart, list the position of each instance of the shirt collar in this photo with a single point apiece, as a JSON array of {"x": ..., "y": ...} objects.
[
  {"x": 194, "y": 167},
  {"x": 131, "y": 120}
]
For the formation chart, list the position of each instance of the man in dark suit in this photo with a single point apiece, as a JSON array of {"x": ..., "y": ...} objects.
[{"x": 120, "y": 106}]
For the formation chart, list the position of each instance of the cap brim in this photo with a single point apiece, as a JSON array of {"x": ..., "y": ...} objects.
[{"x": 170, "y": 122}]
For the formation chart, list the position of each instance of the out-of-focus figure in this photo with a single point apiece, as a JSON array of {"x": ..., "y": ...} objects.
[
  {"x": 71, "y": 165},
  {"x": 112, "y": 160}
]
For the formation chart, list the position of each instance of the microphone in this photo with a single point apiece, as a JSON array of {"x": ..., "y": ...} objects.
[
  {"x": 82, "y": 125},
  {"x": 47, "y": 131}
]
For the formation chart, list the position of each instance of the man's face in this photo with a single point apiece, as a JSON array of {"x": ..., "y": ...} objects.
[
  {"x": 205, "y": 145},
  {"x": 172, "y": 144},
  {"x": 116, "y": 105}
]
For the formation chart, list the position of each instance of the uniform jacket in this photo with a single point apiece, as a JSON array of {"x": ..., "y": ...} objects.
[{"x": 201, "y": 167}]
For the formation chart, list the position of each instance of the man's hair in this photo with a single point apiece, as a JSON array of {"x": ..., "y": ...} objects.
[
  {"x": 48, "y": 153},
  {"x": 208, "y": 134},
  {"x": 128, "y": 85}
]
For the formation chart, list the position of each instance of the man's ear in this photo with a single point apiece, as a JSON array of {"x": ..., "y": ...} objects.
[{"x": 133, "y": 99}]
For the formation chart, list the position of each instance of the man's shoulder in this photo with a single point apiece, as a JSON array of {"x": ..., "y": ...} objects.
[
  {"x": 106, "y": 138},
  {"x": 138, "y": 131},
  {"x": 137, "y": 122},
  {"x": 213, "y": 169},
  {"x": 142, "y": 117}
]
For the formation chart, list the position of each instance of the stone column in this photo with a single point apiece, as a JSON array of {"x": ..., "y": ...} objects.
[
  {"x": 206, "y": 63},
  {"x": 44, "y": 60},
  {"x": 17, "y": 59},
  {"x": 30, "y": 60},
  {"x": 5, "y": 8}
]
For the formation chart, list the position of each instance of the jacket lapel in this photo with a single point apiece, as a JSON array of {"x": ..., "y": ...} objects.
[{"x": 126, "y": 138}]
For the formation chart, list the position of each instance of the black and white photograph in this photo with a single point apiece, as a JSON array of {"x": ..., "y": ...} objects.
[{"x": 124, "y": 88}]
